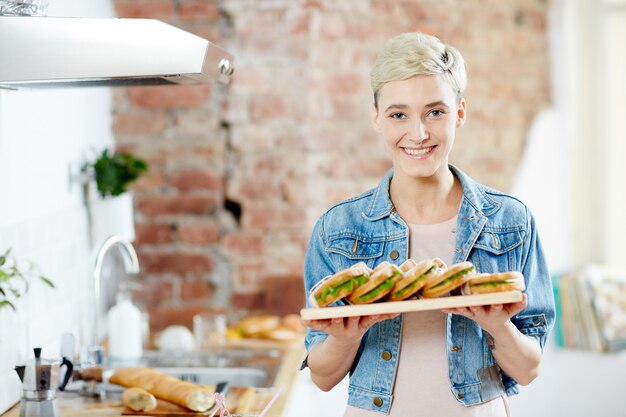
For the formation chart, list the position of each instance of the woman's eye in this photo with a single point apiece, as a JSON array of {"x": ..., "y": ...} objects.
[{"x": 397, "y": 116}]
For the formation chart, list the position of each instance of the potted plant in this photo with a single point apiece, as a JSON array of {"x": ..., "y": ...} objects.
[
  {"x": 113, "y": 173},
  {"x": 14, "y": 279}
]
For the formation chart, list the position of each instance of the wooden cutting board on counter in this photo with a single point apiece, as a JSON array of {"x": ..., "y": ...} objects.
[
  {"x": 410, "y": 305},
  {"x": 239, "y": 400}
]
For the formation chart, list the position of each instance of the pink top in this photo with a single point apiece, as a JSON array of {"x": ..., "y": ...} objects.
[{"x": 422, "y": 387}]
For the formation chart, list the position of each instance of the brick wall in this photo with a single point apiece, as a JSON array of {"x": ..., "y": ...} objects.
[{"x": 240, "y": 173}]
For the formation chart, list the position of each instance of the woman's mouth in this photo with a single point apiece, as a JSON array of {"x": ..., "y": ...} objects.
[{"x": 419, "y": 153}]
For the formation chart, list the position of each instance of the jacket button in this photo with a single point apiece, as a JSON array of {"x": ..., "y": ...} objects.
[
  {"x": 459, "y": 396},
  {"x": 378, "y": 401},
  {"x": 386, "y": 355},
  {"x": 455, "y": 348},
  {"x": 394, "y": 254}
]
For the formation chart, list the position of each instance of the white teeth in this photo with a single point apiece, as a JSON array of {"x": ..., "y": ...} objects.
[{"x": 418, "y": 152}]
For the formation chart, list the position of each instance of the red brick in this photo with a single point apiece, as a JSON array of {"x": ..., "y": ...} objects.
[
  {"x": 376, "y": 167},
  {"x": 211, "y": 33},
  {"x": 253, "y": 189},
  {"x": 247, "y": 301},
  {"x": 248, "y": 274},
  {"x": 301, "y": 25},
  {"x": 187, "y": 154},
  {"x": 194, "y": 10},
  {"x": 151, "y": 180},
  {"x": 267, "y": 106},
  {"x": 153, "y": 291},
  {"x": 196, "y": 289},
  {"x": 201, "y": 232},
  {"x": 176, "y": 262},
  {"x": 151, "y": 9},
  {"x": 140, "y": 122},
  {"x": 159, "y": 205},
  {"x": 153, "y": 233},
  {"x": 345, "y": 83},
  {"x": 414, "y": 11},
  {"x": 260, "y": 217},
  {"x": 161, "y": 317},
  {"x": 284, "y": 295},
  {"x": 242, "y": 244},
  {"x": 186, "y": 180},
  {"x": 168, "y": 96}
]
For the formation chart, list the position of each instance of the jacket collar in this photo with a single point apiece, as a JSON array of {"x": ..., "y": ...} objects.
[{"x": 475, "y": 201}]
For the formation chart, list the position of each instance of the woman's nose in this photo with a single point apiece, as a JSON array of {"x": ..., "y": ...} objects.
[{"x": 420, "y": 132}]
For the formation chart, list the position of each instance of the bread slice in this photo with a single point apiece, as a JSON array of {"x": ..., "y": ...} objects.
[
  {"x": 165, "y": 387},
  {"x": 450, "y": 279},
  {"x": 138, "y": 399}
]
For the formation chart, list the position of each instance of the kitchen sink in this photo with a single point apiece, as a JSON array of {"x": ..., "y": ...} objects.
[
  {"x": 237, "y": 366},
  {"x": 242, "y": 377}
]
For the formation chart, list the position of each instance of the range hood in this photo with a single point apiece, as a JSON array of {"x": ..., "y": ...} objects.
[{"x": 40, "y": 52}]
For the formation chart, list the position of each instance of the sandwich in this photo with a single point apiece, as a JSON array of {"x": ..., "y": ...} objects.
[
  {"x": 340, "y": 285},
  {"x": 379, "y": 284},
  {"x": 501, "y": 281},
  {"x": 407, "y": 265},
  {"x": 450, "y": 279},
  {"x": 439, "y": 263},
  {"x": 412, "y": 280}
]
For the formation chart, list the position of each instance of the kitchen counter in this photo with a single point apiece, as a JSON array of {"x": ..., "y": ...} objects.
[{"x": 74, "y": 405}]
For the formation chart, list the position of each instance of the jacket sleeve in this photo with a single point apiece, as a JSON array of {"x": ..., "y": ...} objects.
[
  {"x": 538, "y": 317},
  {"x": 317, "y": 264}
]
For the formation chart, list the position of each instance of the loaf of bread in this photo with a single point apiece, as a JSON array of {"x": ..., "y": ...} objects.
[
  {"x": 165, "y": 387},
  {"x": 138, "y": 399}
]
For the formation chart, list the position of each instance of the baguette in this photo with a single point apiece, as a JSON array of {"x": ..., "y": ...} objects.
[
  {"x": 165, "y": 387},
  {"x": 138, "y": 399}
]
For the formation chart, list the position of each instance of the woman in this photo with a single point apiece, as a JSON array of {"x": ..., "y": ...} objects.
[{"x": 456, "y": 362}]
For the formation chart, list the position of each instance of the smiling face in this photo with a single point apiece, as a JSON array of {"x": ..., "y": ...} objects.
[{"x": 418, "y": 118}]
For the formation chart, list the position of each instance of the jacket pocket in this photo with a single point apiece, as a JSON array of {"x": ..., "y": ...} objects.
[
  {"x": 497, "y": 250},
  {"x": 498, "y": 241},
  {"x": 356, "y": 248}
]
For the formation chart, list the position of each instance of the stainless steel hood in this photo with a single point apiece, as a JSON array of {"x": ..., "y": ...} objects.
[{"x": 38, "y": 52}]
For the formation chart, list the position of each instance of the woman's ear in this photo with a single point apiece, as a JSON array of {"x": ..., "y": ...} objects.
[
  {"x": 375, "y": 119},
  {"x": 460, "y": 113}
]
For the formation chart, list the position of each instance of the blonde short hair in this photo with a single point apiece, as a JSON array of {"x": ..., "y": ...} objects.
[{"x": 414, "y": 53}]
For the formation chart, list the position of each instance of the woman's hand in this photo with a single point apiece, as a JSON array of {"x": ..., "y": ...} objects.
[
  {"x": 491, "y": 318},
  {"x": 518, "y": 355},
  {"x": 331, "y": 359},
  {"x": 348, "y": 330}
]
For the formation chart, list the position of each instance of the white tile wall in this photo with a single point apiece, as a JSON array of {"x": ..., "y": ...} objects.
[
  {"x": 56, "y": 243},
  {"x": 42, "y": 219}
]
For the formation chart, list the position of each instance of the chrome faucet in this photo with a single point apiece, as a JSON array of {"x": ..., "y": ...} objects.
[{"x": 131, "y": 265}]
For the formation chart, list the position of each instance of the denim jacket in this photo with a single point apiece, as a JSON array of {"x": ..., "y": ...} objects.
[{"x": 495, "y": 232}]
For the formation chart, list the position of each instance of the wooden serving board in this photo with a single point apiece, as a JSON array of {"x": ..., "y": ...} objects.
[{"x": 410, "y": 305}]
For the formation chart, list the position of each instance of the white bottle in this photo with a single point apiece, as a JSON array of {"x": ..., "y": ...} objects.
[{"x": 125, "y": 329}]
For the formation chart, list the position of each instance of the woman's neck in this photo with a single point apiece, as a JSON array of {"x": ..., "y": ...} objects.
[{"x": 426, "y": 200}]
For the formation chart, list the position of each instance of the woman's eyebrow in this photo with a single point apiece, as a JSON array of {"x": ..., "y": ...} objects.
[
  {"x": 437, "y": 104},
  {"x": 399, "y": 106}
]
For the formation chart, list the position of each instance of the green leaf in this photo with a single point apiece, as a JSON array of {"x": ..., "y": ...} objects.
[
  {"x": 15, "y": 280},
  {"x": 47, "y": 281},
  {"x": 115, "y": 172},
  {"x": 5, "y": 303}
]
